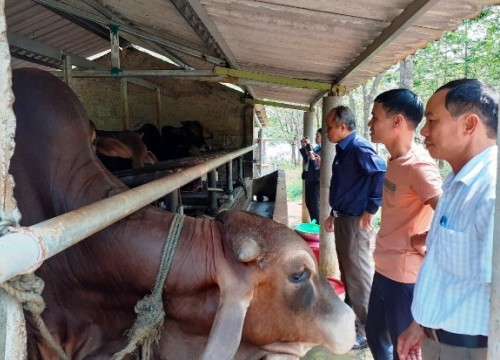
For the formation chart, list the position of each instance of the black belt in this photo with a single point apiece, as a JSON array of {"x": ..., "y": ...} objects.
[
  {"x": 459, "y": 340},
  {"x": 338, "y": 214}
]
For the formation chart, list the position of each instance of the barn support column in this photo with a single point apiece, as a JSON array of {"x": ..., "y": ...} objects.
[
  {"x": 329, "y": 264},
  {"x": 241, "y": 171},
  {"x": 494, "y": 332},
  {"x": 158, "y": 109},
  {"x": 309, "y": 132},
  {"x": 229, "y": 175},
  {"x": 173, "y": 201},
  {"x": 261, "y": 151},
  {"x": 114, "y": 40},
  {"x": 212, "y": 195},
  {"x": 124, "y": 94},
  {"x": 68, "y": 70},
  {"x": 12, "y": 323}
]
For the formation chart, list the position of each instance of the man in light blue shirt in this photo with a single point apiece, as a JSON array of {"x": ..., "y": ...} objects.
[{"x": 452, "y": 294}]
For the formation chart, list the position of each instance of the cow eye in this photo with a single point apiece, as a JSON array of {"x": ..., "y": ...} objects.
[{"x": 299, "y": 276}]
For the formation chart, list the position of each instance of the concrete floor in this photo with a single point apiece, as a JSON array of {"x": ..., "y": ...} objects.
[{"x": 320, "y": 353}]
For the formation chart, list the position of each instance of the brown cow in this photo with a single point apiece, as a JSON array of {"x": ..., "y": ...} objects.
[
  {"x": 121, "y": 150},
  {"x": 232, "y": 303}
]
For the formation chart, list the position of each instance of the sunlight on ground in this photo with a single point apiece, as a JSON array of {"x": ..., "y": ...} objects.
[{"x": 320, "y": 353}]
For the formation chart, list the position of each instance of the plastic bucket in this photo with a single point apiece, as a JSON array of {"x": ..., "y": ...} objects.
[
  {"x": 314, "y": 245},
  {"x": 308, "y": 231},
  {"x": 338, "y": 287}
]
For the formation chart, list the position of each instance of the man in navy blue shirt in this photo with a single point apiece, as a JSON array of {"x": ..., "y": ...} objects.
[
  {"x": 355, "y": 196},
  {"x": 311, "y": 174}
]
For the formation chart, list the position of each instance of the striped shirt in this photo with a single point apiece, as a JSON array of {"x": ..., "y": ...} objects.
[{"x": 453, "y": 287}]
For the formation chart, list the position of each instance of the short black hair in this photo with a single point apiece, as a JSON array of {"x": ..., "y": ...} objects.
[
  {"x": 403, "y": 101},
  {"x": 318, "y": 131},
  {"x": 344, "y": 115},
  {"x": 473, "y": 95}
]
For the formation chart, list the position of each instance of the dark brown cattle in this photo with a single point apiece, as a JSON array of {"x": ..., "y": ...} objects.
[
  {"x": 176, "y": 142},
  {"x": 270, "y": 300}
]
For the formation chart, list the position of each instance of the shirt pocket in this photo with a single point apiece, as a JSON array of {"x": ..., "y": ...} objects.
[{"x": 457, "y": 253}]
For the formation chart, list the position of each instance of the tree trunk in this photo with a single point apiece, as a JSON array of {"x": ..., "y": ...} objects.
[
  {"x": 368, "y": 96},
  {"x": 294, "y": 153},
  {"x": 406, "y": 73},
  {"x": 352, "y": 104}
]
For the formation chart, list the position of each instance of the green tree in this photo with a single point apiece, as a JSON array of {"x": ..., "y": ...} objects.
[
  {"x": 286, "y": 125},
  {"x": 472, "y": 51}
]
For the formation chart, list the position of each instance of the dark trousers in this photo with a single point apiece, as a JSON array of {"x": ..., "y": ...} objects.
[
  {"x": 353, "y": 250},
  {"x": 389, "y": 314},
  {"x": 312, "y": 199}
]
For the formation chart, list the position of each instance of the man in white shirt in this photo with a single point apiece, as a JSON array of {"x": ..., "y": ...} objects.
[{"x": 452, "y": 293}]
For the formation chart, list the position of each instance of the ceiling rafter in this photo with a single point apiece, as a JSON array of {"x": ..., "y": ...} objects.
[
  {"x": 133, "y": 31},
  {"x": 35, "y": 51},
  {"x": 141, "y": 42},
  {"x": 186, "y": 10},
  {"x": 197, "y": 8}
]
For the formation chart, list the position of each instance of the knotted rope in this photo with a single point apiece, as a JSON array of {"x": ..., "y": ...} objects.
[
  {"x": 150, "y": 313},
  {"x": 27, "y": 290}
]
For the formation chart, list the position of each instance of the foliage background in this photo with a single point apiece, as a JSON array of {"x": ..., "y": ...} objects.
[{"x": 473, "y": 51}]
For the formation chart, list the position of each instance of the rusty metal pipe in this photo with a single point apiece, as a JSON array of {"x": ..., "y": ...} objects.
[{"x": 45, "y": 239}]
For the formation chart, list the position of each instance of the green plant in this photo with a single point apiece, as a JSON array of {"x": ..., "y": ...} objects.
[
  {"x": 293, "y": 180},
  {"x": 294, "y": 191}
]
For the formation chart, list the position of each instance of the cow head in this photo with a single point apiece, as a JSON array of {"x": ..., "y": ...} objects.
[
  {"x": 197, "y": 134},
  {"x": 273, "y": 299}
]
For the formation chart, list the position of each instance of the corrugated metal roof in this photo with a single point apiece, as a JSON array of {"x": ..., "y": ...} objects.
[{"x": 303, "y": 39}]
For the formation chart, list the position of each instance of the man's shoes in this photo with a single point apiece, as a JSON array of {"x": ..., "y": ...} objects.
[{"x": 360, "y": 343}]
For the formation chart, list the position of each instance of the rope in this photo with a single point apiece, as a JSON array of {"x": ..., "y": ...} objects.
[
  {"x": 27, "y": 289},
  {"x": 150, "y": 313}
]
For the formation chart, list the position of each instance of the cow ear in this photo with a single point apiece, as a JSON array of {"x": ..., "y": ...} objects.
[{"x": 246, "y": 248}]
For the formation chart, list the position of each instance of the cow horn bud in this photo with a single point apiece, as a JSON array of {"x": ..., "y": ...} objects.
[{"x": 246, "y": 248}]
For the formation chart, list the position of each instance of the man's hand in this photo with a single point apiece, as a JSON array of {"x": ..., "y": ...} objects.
[
  {"x": 365, "y": 221},
  {"x": 418, "y": 243},
  {"x": 410, "y": 342},
  {"x": 329, "y": 224},
  {"x": 318, "y": 159}
]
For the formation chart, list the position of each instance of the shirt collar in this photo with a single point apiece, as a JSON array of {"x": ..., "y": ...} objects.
[
  {"x": 474, "y": 166},
  {"x": 347, "y": 140}
]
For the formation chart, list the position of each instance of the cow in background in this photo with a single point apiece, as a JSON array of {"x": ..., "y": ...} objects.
[
  {"x": 121, "y": 150},
  {"x": 176, "y": 142},
  {"x": 240, "y": 286}
]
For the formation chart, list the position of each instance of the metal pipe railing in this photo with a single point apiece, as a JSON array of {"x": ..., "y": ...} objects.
[{"x": 25, "y": 249}]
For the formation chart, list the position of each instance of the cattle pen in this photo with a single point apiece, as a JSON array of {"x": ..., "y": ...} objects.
[{"x": 121, "y": 90}]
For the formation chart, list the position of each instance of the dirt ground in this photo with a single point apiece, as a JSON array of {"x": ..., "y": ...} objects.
[{"x": 320, "y": 353}]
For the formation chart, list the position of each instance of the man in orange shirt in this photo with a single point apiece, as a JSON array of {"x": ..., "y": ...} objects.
[{"x": 412, "y": 187}]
